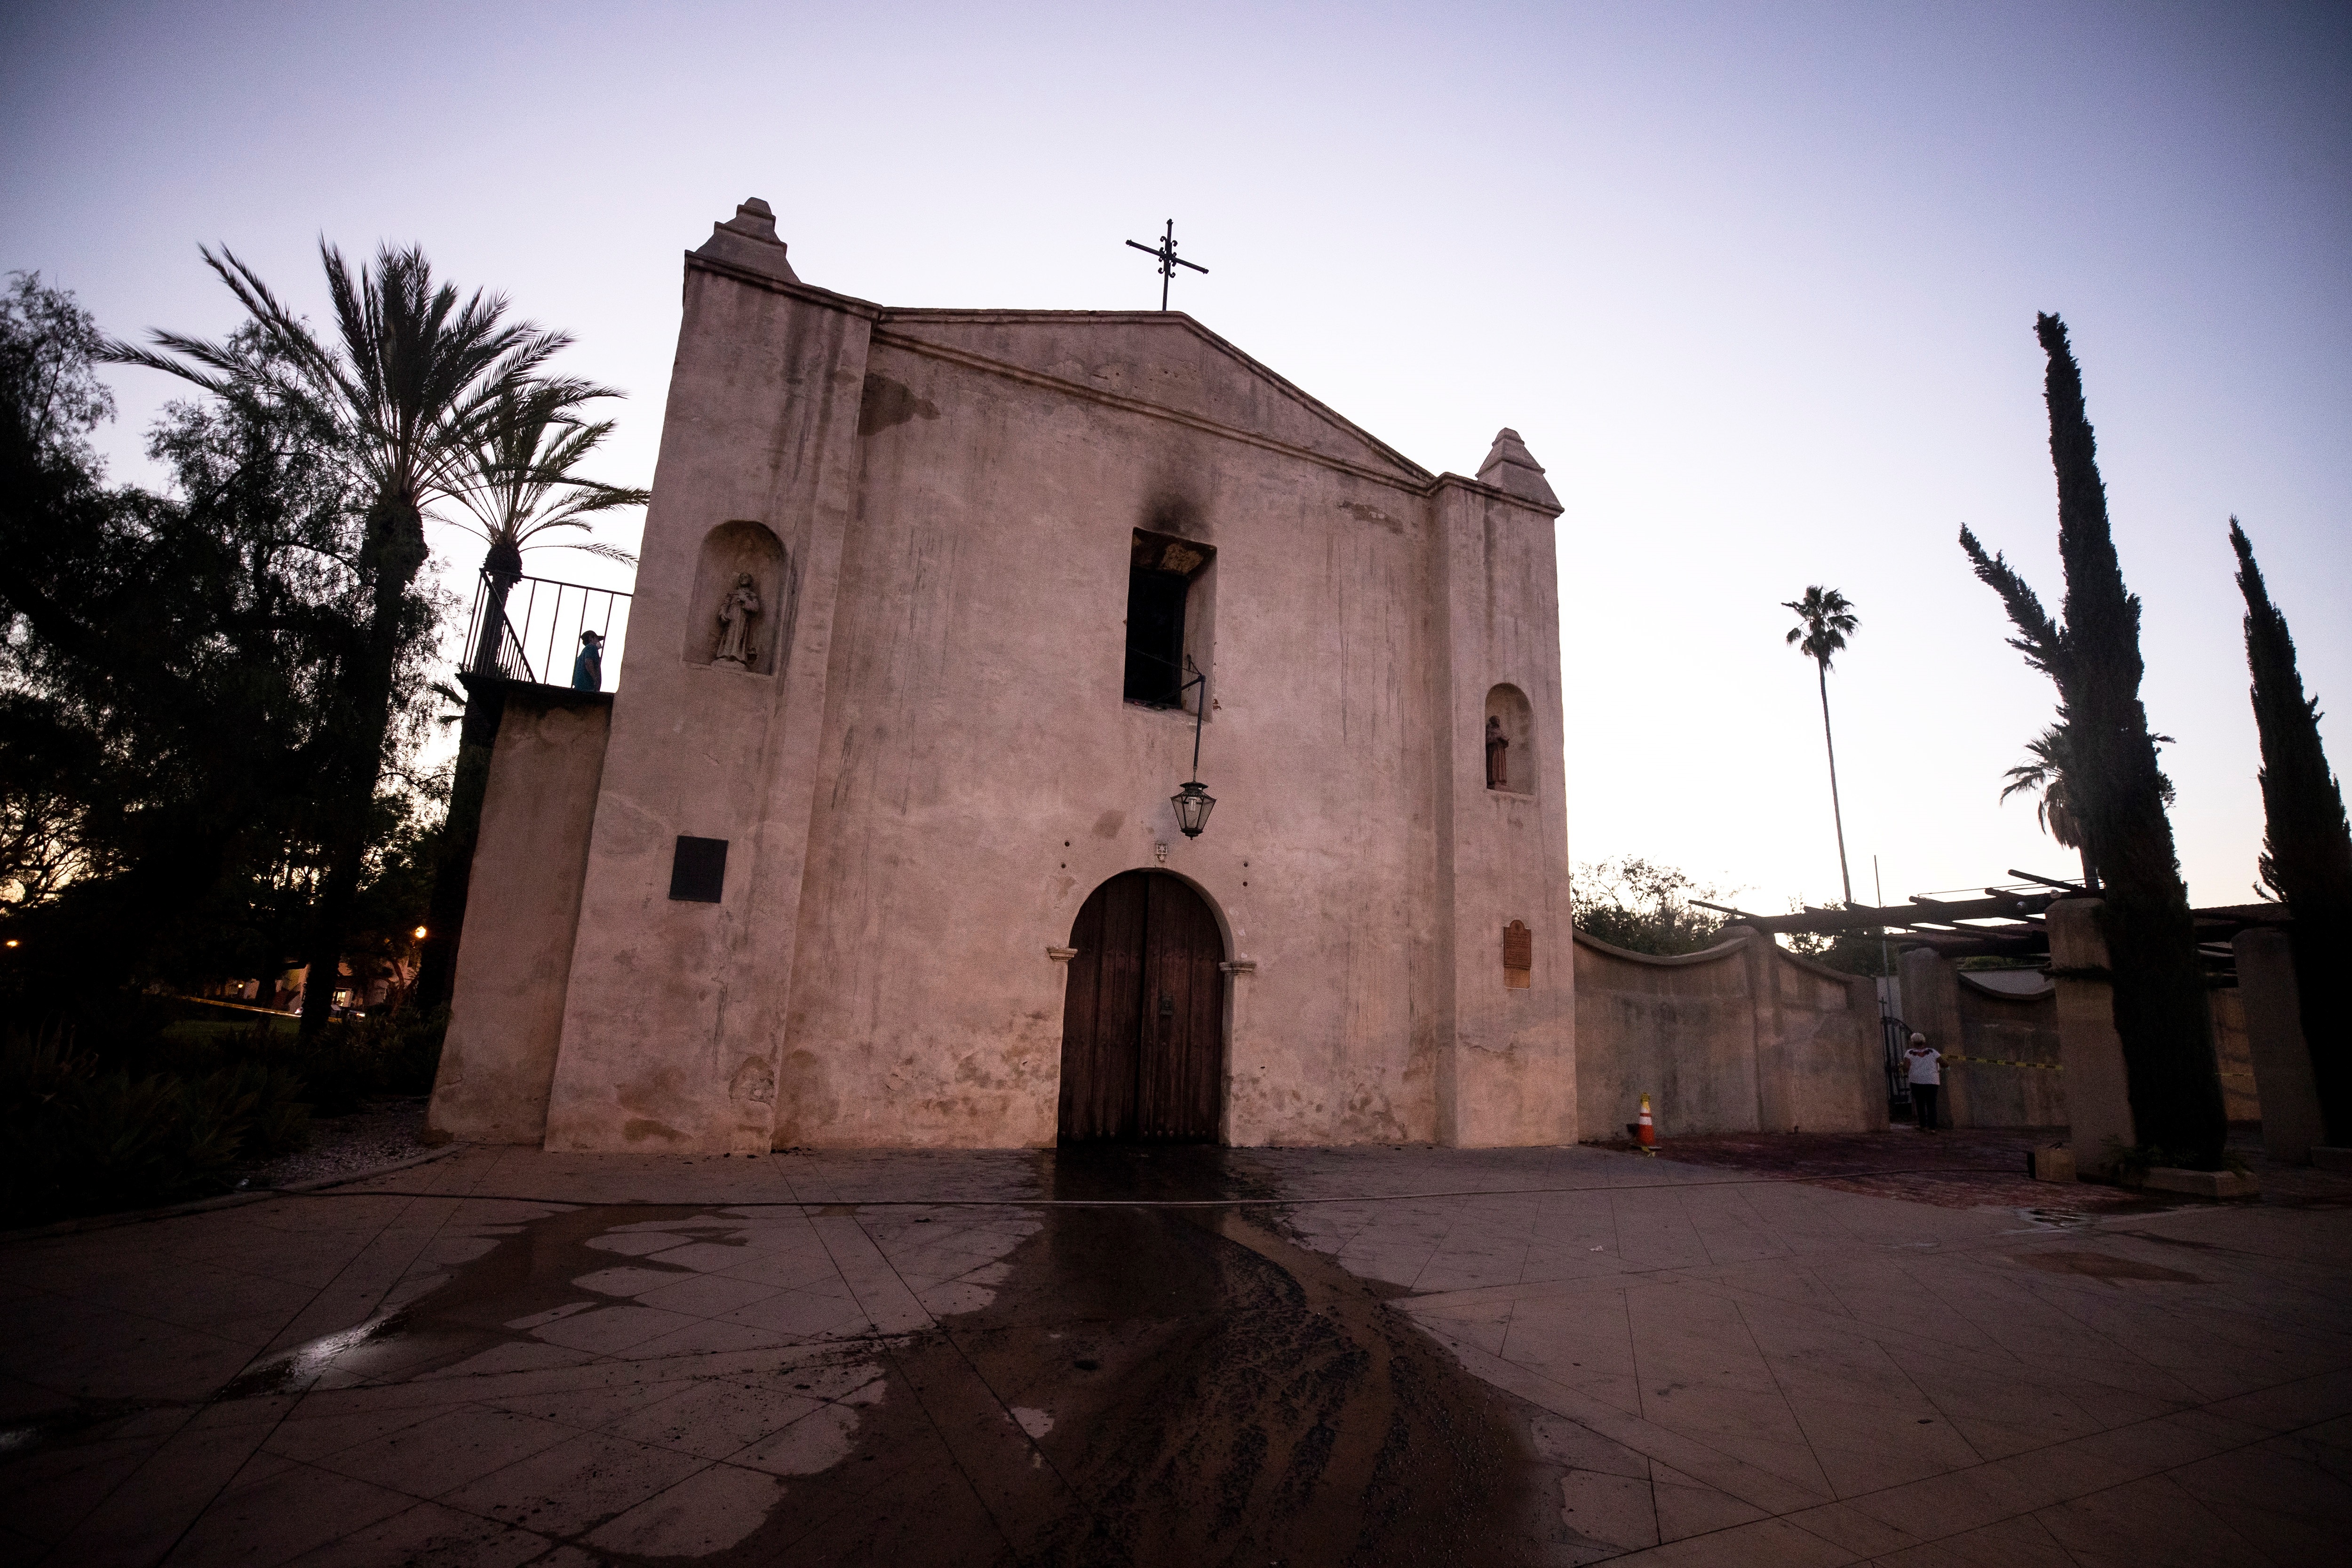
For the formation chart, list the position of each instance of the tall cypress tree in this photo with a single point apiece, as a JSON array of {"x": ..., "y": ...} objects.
[
  {"x": 2160, "y": 1007},
  {"x": 2306, "y": 845}
]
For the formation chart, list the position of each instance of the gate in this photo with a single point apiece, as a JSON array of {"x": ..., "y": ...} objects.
[{"x": 1896, "y": 1036}]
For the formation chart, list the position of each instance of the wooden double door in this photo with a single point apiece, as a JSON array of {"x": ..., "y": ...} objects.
[{"x": 1143, "y": 1022}]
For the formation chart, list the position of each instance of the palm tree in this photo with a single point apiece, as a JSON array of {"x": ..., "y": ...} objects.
[
  {"x": 522, "y": 483},
  {"x": 403, "y": 388},
  {"x": 2044, "y": 772},
  {"x": 2049, "y": 756},
  {"x": 1824, "y": 620}
]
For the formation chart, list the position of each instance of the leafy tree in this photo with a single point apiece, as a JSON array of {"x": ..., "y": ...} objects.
[
  {"x": 41, "y": 846},
  {"x": 169, "y": 673},
  {"x": 1855, "y": 952},
  {"x": 161, "y": 678},
  {"x": 1643, "y": 907},
  {"x": 522, "y": 483},
  {"x": 2115, "y": 787},
  {"x": 46, "y": 344},
  {"x": 402, "y": 391},
  {"x": 2306, "y": 845},
  {"x": 1824, "y": 620},
  {"x": 50, "y": 399}
]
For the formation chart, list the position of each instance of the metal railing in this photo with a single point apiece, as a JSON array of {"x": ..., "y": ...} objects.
[{"x": 529, "y": 629}]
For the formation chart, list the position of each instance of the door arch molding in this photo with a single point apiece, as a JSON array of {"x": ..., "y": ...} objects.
[{"x": 1143, "y": 1015}]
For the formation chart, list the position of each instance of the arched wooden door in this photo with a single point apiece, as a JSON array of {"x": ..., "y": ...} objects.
[{"x": 1143, "y": 1022}]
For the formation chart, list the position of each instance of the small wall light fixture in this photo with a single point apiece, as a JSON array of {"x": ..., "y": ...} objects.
[{"x": 1193, "y": 803}]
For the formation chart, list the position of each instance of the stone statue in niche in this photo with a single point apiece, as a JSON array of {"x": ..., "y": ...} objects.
[
  {"x": 736, "y": 613},
  {"x": 1498, "y": 766}
]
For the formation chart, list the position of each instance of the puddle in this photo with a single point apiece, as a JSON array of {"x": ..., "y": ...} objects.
[
  {"x": 1186, "y": 1386},
  {"x": 2164, "y": 1240},
  {"x": 524, "y": 1280},
  {"x": 2056, "y": 1219},
  {"x": 72, "y": 1419},
  {"x": 2103, "y": 1266}
]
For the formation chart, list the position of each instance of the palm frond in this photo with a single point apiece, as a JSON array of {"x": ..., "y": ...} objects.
[
  {"x": 1824, "y": 618},
  {"x": 519, "y": 466},
  {"x": 595, "y": 547}
]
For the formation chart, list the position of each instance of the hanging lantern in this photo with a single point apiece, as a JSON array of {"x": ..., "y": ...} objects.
[{"x": 1193, "y": 805}]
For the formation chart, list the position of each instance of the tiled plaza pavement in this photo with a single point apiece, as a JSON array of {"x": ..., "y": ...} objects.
[
  {"x": 1968, "y": 1168},
  {"x": 508, "y": 1357}
]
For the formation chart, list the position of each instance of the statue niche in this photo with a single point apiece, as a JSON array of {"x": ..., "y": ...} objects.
[
  {"x": 740, "y": 618},
  {"x": 1510, "y": 742}
]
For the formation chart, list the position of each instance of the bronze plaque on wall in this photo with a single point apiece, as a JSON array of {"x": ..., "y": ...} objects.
[{"x": 1518, "y": 955}]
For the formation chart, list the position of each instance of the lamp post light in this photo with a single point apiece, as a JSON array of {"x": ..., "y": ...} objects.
[{"x": 1193, "y": 803}]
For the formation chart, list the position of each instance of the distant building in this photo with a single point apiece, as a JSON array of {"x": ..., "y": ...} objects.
[{"x": 874, "y": 842}]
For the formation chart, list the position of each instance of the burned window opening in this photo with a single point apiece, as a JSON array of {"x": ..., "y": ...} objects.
[{"x": 1166, "y": 617}]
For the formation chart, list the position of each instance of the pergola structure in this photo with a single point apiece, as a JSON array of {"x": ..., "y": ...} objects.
[{"x": 2005, "y": 922}]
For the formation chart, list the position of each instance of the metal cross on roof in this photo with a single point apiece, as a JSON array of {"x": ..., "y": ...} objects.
[{"x": 1169, "y": 259}]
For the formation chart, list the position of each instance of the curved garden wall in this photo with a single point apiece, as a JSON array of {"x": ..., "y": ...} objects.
[{"x": 1742, "y": 1037}]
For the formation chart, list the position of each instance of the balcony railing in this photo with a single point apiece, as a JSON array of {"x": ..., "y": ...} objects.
[{"x": 532, "y": 632}]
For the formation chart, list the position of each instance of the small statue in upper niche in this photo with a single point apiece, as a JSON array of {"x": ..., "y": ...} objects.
[
  {"x": 736, "y": 613},
  {"x": 1499, "y": 767}
]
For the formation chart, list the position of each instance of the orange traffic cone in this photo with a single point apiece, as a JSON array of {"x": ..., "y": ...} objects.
[{"x": 1646, "y": 1130}]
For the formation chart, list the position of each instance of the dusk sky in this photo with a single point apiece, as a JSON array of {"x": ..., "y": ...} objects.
[{"x": 1757, "y": 283}]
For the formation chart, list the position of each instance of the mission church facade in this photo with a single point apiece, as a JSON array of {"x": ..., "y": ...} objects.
[{"x": 878, "y": 841}]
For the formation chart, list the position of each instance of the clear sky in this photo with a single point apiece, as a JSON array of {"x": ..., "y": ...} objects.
[{"x": 1756, "y": 282}]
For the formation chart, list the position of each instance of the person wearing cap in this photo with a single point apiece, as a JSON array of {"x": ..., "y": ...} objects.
[
  {"x": 1926, "y": 1065},
  {"x": 588, "y": 669}
]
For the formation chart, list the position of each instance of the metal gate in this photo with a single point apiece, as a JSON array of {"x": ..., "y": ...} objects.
[{"x": 1896, "y": 1034}]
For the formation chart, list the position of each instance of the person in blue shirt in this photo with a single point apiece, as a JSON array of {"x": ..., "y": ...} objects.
[{"x": 588, "y": 669}]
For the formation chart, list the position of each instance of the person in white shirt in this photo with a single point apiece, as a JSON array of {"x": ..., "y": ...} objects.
[{"x": 1926, "y": 1070}]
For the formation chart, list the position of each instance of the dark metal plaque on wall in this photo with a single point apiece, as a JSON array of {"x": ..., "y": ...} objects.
[
  {"x": 697, "y": 872},
  {"x": 1518, "y": 955}
]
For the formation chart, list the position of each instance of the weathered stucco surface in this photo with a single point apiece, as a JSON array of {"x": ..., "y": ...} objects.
[
  {"x": 1742, "y": 1037},
  {"x": 514, "y": 959},
  {"x": 940, "y": 766},
  {"x": 674, "y": 1029},
  {"x": 2241, "y": 1099},
  {"x": 2098, "y": 1099},
  {"x": 2272, "y": 1010},
  {"x": 2002, "y": 1052}
]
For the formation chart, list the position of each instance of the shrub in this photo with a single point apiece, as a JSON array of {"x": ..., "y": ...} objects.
[
  {"x": 124, "y": 1106},
  {"x": 388, "y": 1054},
  {"x": 78, "y": 1136}
]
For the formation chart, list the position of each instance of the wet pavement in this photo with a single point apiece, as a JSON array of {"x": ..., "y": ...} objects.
[
  {"x": 1174, "y": 1356},
  {"x": 1977, "y": 1167},
  {"x": 1189, "y": 1387}
]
